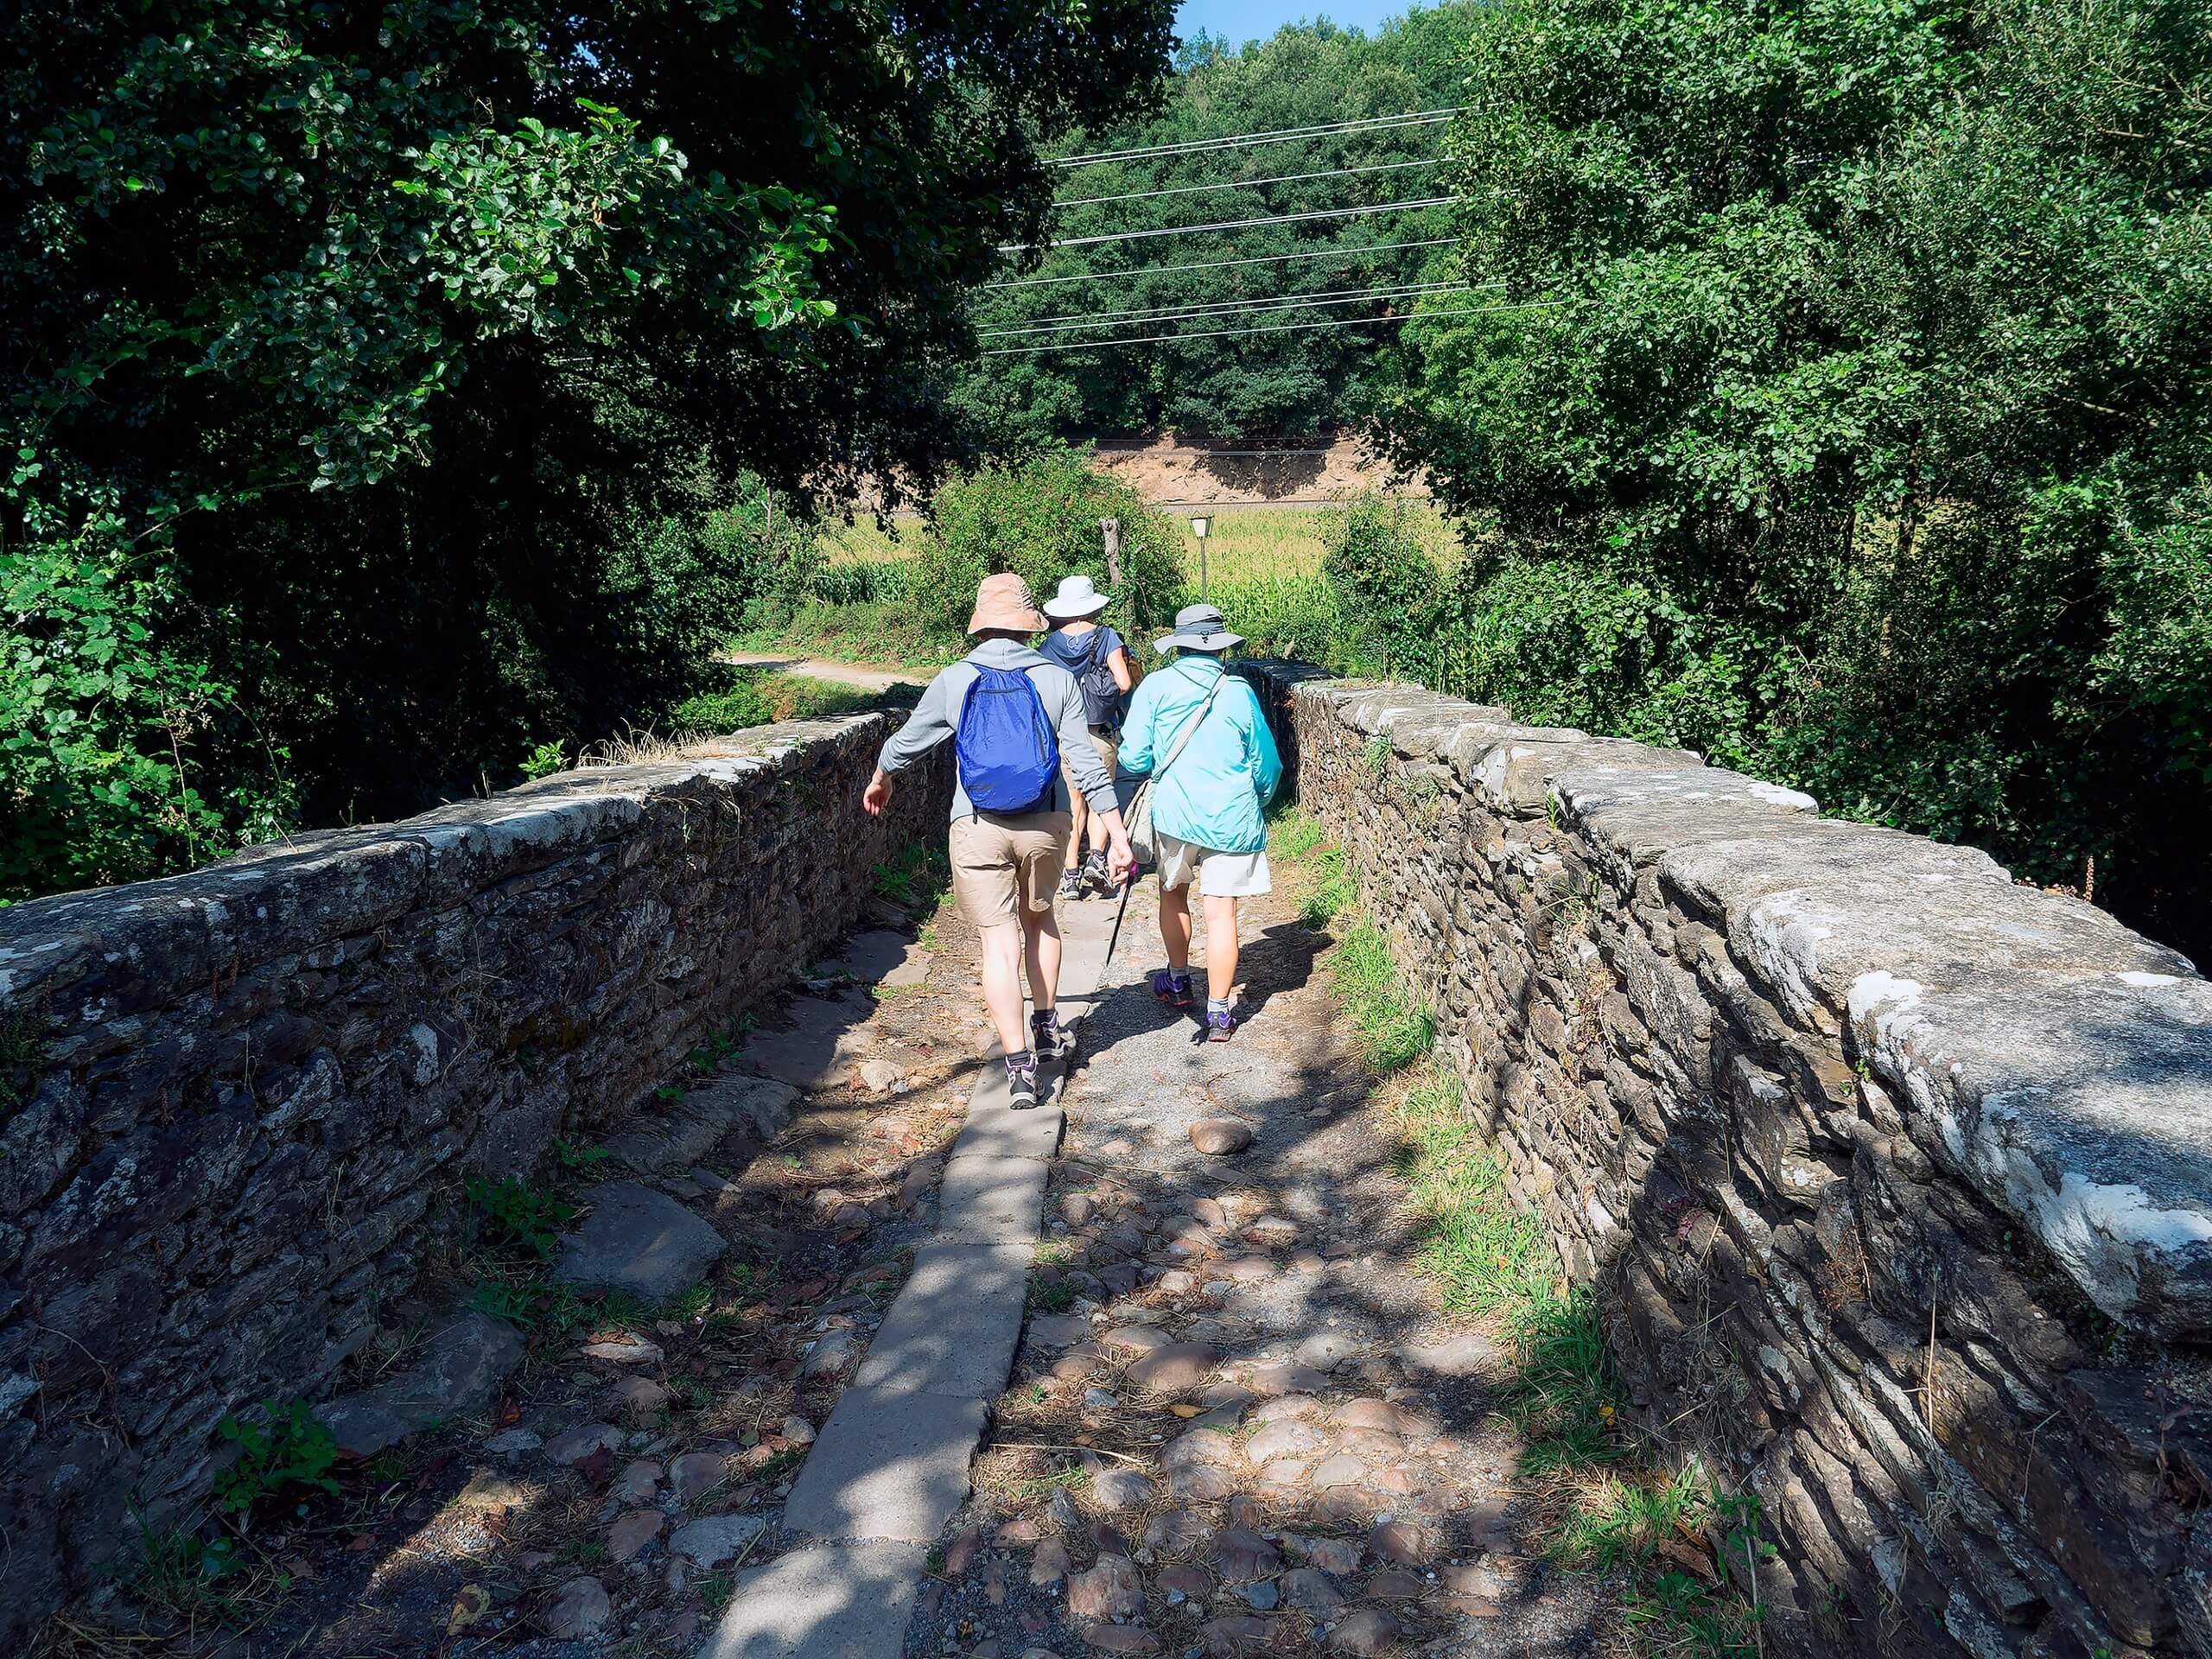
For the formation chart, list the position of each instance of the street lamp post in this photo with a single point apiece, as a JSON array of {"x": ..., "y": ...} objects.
[{"x": 1200, "y": 523}]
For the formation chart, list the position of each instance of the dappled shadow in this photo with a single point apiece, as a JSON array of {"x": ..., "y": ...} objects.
[{"x": 1306, "y": 1267}]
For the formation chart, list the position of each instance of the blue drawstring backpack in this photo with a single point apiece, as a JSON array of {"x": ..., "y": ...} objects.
[{"x": 1008, "y": 757}]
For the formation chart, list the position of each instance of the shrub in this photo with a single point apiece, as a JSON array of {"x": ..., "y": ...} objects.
[
  {"x": 1039, "y": 518},
  {"x": 1385, "y": 583},
  {"x": 122, "y": 754}
]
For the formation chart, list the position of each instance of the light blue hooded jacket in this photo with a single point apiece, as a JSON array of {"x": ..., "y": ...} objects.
[{"x": 1216, "y": 795}]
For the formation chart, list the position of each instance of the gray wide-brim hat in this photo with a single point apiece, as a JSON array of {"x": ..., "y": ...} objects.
[{"x": 1199, "y": 627}]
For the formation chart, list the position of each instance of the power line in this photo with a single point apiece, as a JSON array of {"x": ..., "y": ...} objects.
[
  {"x": 1280, "y": 302},
  {"x": 1220, "y": 265},
  {"x": 1231, "y": 224},
  {"x": 1251, "y": 184},
  {"x": 1276, "y": 136},
  {"x": 1140, "y": 314},
  {"x": 1272, "y": 328}
]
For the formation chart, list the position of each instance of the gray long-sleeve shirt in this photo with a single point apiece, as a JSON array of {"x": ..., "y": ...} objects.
[{"x": 937, "y": 715}]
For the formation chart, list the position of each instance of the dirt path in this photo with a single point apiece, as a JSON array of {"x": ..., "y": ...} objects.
[
  {"x": 819, "y": 668},
  {"x": 1237, "y": 1424}
]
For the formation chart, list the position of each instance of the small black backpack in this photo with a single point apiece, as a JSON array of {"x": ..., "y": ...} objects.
[{"x": 1101, "y": 697}]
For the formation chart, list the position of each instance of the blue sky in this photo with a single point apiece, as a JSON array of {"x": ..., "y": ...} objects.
[{"x": 1239, "y": 20}]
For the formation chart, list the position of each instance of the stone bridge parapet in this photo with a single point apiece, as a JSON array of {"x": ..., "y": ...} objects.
[
  {"x": 236, "y": 1107},
  {"x": 1893, "y": 1176}
]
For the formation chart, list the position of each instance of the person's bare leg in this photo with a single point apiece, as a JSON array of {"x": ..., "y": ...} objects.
[
  {"x": 1221, "y": 946},
  {"x": 1080, "y": 817},
  {"x": 1175, "y": 927},
  {"x": 1002, "y": 952},
  {"x": 1041, "y": 942}
]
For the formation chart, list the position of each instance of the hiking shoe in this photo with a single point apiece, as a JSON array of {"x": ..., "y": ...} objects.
[
  {"x": 1094, "y": 871},
  {"x": 1021, "y": 1089},
  {"x": 1220, "y": 1023},
  {"x": 1175, "y": 992},
  {"x": 1071, "y": 885},
  {"x": 1053, "y": 1042}
]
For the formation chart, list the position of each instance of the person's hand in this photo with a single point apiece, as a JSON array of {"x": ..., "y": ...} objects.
[
  {"x": 877, "y": 796},
  {"x": 1121, "y": 860}
]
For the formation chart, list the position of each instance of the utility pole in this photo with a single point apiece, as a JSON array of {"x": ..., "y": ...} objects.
[
  {"x": 1111, "y": 530},
  {"x": 1200, "y": 523}
]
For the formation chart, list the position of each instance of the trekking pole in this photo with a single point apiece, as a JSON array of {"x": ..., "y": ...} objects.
[{"x": 1128, "y": 888}]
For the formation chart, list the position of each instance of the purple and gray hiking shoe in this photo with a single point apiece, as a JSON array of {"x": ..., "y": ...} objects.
[
  {"x": 1220, "y": 1025},
  {"x": 1175, "y": 992}
]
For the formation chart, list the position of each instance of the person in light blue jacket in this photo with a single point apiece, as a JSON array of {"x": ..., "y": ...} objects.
[{"x": 1209, "y": 801}]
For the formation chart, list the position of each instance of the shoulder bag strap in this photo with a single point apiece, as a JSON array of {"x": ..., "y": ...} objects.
[{"x": 1190, "y": 730}]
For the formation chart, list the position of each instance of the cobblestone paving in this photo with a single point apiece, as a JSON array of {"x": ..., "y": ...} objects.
[{"x": 1237, "y": 1423}]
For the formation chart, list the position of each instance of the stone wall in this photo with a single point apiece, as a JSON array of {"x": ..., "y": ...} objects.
[
  {"x": 236, "y": 1107},
  {"x": 1894, "y": 1177}
]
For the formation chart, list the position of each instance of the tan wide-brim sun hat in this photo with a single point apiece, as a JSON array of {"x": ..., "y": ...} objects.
[{"x": 1003, "y": 602}]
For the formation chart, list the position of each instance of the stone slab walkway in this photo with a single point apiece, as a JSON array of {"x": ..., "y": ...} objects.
[{"x": 892, "y": 1466}]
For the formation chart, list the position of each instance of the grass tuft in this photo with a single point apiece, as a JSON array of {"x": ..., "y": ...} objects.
[{"x": 1393, "y": 1029}]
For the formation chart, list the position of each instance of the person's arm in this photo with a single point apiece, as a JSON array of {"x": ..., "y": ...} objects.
[
  {"x": 928, "y": 726},
  {"x": 1089, "y": 771},
  {"x": 1267, "y": 760},
  {"x": 1136, "y": 732},
  {"x": 1123, "y": 669},
  {"x": 1080, "y": 755}
]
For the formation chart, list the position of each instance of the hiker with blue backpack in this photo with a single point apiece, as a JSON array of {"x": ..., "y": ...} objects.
[
  {"x": 1013, "y": 717},
  {"x": 1096, "y": 655},
  {"x": 1198, "y": 732}
]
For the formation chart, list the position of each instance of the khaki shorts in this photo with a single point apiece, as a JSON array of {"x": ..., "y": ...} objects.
[
  {"x": 1219, "y": 875},
  {"x": 1110, "y": 751},
  {"x": 1004, "y": 865}
]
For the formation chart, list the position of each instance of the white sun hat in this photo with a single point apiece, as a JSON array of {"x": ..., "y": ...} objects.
[{"x": 1076, "y": 598}]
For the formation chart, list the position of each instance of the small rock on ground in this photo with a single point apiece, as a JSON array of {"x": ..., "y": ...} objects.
[{"x": 578, "y": 1609}]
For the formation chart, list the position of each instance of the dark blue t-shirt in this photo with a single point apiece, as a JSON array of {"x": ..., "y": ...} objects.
[{"x": 1074, "y": 653}]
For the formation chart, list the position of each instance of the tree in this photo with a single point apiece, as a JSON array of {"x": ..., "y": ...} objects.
[
  {"x": 1281, "y": 384},
  {"x": 1858, "y": 426},
  {"x": 362, "y": 357}
]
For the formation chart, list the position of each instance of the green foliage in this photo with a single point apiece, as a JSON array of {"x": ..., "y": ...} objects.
[
  {"x": 192, "y": 1577},
  {"x": 1484, "y": 1250},
  {"x": 575, "y": 1158},
  {"x": 386, "y": 395},
  {"x": 917, "y": 874},
  {"x": 1385, "y": 583},
  {"x": 875, "y": 582},
  {"x": 1871, "y": 456},
  {"x": 121, "y": 754},
  {"x": 533, "y": 1304},
  {"x": 1333, "y": 890},
  {"x": 1039, "y": 516},
  {"x": 1292, "y": 832},
  {"x": 1394, "y": 1030},
  {"x": 288, "y": 1450},
  {"x": 739, "y": 704},
  {"x": 544, "y": 760},
  {"x": 1289, "y": 383},
  {"x": 514, "y": 1212}
]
